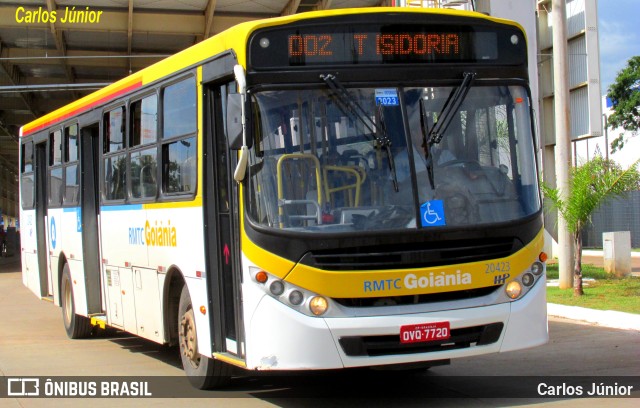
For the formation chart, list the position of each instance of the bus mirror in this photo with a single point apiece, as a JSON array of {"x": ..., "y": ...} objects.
[{"x": 234, "y": 121}]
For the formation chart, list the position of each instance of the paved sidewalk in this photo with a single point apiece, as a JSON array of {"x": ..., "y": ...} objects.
[{"x": 603, "y": 318}]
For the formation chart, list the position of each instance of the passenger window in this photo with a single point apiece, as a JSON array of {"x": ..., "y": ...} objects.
[
  {"x": 71, "y": 185},
  {"x": 27, "y": 157},
  {"x": 55, "y": 186},
  {"x": 179, "y": 109},
  {"x": 115, "y": 177},
  {"x": 71, "y": 143},
  {"x": 143, "y": 173},
  {"x": 55, "y": 148},
  {"x": 144, "y": 121},
  {"x": 179, "y": 166},
  {"x": 113, "y": 136},
  {"x": 27, "y": 191}
]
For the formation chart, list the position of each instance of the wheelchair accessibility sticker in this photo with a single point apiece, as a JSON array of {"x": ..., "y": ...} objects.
[{"x": 432, "y": 213}]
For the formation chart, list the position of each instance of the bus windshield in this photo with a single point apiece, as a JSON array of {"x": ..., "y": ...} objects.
[{"x": 358, "y": 159}]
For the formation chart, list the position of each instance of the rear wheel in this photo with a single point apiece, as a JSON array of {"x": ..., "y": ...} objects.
[
  {"x": 203, "y": 372},
  {"x": 76, "y": 326}
]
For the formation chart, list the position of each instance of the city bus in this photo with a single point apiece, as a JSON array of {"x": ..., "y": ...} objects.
[{"x": 326, "y": 190}]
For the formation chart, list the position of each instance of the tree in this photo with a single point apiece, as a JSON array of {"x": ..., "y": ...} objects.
[
  {"x": 624, "y": 93},
  {"x": 590, "y": 185}
]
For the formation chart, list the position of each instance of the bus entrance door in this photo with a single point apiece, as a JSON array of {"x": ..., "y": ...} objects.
[
  {"x": 42, "y": 234},
  {"x": 221, "y": 229},
  {"x": 89, "y": 164}
]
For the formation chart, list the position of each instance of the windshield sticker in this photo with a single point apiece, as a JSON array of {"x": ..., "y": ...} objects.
[
  {"x": 387, "y": 97},
  {"x": 432, "y": 213}
]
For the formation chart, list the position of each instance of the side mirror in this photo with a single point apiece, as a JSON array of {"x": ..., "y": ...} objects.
[
  {"x": 243, "y": 161},
  {"x": 234, "y": 121}
]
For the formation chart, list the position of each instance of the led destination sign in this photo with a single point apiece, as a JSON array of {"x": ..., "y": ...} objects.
[
  {"x": 365, "y": 46},
  {"x": 343, "y": 44}
]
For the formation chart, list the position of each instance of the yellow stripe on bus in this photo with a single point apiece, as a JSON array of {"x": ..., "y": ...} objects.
[{"x": 402, "y": 282}]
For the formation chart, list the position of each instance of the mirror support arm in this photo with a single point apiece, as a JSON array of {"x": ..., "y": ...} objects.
[{"x": 241, "y": 168}]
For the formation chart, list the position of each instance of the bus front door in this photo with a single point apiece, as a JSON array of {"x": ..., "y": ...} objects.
[{"x": 221, "y": 228}]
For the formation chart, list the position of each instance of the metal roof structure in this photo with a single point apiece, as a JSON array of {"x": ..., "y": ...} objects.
[{"x": 45, "y": 45}]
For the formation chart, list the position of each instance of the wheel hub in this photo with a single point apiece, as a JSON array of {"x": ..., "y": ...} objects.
[{"x": 188, "y": 341}]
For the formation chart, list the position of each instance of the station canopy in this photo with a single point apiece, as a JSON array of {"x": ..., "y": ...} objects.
[{"x": 45, "y": 64}]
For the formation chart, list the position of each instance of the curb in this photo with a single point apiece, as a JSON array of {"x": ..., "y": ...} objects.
[
  {"x": 600, "y": 252},
  {"x": 603, "y": 318}
]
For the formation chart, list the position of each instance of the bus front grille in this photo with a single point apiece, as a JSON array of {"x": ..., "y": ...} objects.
[
  {"x": 373, "y": 346},
  {"x": 410, "y": 255}
]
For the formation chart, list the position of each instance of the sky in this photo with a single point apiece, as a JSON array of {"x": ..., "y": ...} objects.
[
  {"x": 619, "y": 37},
  {"x": 619, "y": 40}
]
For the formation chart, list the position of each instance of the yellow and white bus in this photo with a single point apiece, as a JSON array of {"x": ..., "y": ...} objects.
[{"x": 332, "y": 189}]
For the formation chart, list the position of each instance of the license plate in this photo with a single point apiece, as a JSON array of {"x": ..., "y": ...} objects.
[{"x": 423, "y": 332}]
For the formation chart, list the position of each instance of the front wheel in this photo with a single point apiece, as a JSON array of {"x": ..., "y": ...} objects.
[
  {"x": 76, "y": 326},
  {"x": 203, "y": 372}
]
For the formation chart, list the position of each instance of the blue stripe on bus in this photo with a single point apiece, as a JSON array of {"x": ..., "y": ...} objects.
[{"x": 126, "y": 207}]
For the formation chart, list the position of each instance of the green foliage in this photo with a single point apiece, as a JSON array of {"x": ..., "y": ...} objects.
[
  {"x": 588, "y": 271},
  {"x": 622, "y": 295},
  {"x": 591, "y": 184},
  {"x": 625, "y": 95}
]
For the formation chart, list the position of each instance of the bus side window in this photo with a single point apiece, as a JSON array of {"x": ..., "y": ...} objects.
[
  {"x": 179, "y": 166},
  {"x": 143, "y": 173},
  {"x": 114, "y": 166},
  {"x": 27, "y": 186},
  {"x": 71, "y": 172},
  {"x": 55, "y": 168},
  {"x": 115, "y": 177},
  {"x": 179, "y": 121},
  {"x": 113, "y": 136},
  {"x": 142, "y": 147}
]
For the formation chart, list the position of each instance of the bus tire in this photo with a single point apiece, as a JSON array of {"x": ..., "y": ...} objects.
[
  {"x": 203, "y": 372},
  {"x": 77, "y": 326}
]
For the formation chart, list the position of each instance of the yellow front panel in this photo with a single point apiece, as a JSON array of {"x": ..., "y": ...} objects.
[{"x": 401, "y": 282}]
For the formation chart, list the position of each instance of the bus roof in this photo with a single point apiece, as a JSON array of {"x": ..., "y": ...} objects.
[{"x": 234, "y": 38}]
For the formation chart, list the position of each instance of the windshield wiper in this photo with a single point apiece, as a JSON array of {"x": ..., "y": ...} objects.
[
  {"x": 426, "y": 145},
  {"x": 351, "y": 106},
  {"x": 449, "y": 109},
  {"x": 435, "y": 135}
]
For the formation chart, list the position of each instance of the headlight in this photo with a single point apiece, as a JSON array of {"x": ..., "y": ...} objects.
[
  {"x": 513, "y": 289},
  {"x": 318, "y": 305},
  {"x": 297, "y": 298}
]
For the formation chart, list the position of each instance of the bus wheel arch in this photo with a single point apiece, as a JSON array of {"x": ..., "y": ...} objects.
[
  {"x": 59, "y": 271},
  {"x": 174, "y": 283}
]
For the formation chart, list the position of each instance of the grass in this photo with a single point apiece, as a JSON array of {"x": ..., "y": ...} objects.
[{"x": 606, "y": 293}]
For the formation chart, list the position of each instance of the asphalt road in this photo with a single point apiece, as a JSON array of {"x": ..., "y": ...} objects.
[{"x": 33, "y": 343}]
